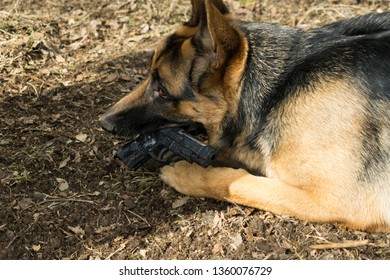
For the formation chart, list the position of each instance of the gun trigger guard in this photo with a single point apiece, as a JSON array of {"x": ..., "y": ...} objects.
[
  {"x": 159, "y": 155},
  {"x": 170, "y": 158}
]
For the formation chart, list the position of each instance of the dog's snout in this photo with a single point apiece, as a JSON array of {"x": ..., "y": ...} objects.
[{"x": 107, "y": 123}]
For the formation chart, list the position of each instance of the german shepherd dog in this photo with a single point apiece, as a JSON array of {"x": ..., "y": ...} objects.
[{"x": 300, "y": 119}]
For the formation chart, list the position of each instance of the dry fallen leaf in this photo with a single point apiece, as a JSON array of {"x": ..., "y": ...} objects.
[
  {"x": 24, "y": 203},
  {"x": 64, "y": 162},
  {"x": 77, "y": 230},
  {"x": 62, "y": 184},
  {"x": 36, "y": 248},
  {"x": 55, "y": 117},
  {"x": 218, "y": 248},
  {"x": 180, "y": 202},
  {"x": 77, "y": 157},
  {"x": 133, "y": 6},
  {"x": 60, "y": 59},
  {"x": 46, "y": 72},
  {"x": 145, "y": 28},
  {"x": 217, "y": 222},
  {"x": 36, "y": 216},
  {"x": 237, "y": 240},
  {"x": 143, "y": 252},
  {"x": 105, "y": 229},
  {"x": 126, "y": 77},
  {"x": 111, "y": 77},
  {"x": 80, "y": 77},
  {"x": 82, "y": 137}
]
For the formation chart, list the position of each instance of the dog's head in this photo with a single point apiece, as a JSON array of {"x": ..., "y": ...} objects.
[{"x": 193, "y": 77}]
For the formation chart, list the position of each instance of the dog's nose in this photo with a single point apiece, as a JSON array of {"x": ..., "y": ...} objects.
[{"x": 107, "y": 123}]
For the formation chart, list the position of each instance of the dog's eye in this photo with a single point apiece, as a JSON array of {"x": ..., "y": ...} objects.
[
  {"x": 161, "y": 91},
  {"x": 163, "y": 94}
]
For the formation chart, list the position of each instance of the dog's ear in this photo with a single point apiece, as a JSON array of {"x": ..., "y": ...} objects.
[
  {"x": 214, "y": 33},
  {"x": 199, "y": 11},
  {"x": 220, "y": 6},
  {"x": 225, "y": 39}
]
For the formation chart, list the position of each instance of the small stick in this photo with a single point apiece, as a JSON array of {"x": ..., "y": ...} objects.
[
  {"x": 345, "y": 244},
  {"x": 121, "y": 248}
]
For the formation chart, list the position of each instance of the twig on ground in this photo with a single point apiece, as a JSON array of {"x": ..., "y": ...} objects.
[
  {"x": 121, "y": 248},
  {"x": 238, "y": 207},
  {"x": 140, "y": 217},
  {"x": 344, "y": 244},
  {"x": 125, "y": 4},
  {"x": 15, "y": 6},
  {"x": 18, "y": 235}
]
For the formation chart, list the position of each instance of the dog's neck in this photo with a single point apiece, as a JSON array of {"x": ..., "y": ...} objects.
[{"x": 268, "y": 59}]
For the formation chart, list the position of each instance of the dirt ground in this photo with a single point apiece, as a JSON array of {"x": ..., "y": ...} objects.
[{"x": 63, "y": 196}]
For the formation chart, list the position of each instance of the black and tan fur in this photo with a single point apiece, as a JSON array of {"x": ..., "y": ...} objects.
[{"x": 302, "y": 116}]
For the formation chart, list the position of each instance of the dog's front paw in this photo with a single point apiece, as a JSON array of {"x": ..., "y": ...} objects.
[
  {"x": 194, "y": 180},
  {"x": 186, "y": 178}
]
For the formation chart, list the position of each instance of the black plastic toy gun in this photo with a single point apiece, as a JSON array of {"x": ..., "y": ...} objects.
[{"x": 164, "y": 145}]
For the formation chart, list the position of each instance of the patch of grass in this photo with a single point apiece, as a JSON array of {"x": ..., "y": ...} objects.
[
  {"x": 147, "y": 181},
  {"x": 7, "y": 27},
  {"x": 246, "y": 2},
  {"x": 19, "y": 177}
]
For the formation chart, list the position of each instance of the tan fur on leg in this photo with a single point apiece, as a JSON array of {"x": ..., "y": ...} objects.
[{"x": 241, "y": 187}]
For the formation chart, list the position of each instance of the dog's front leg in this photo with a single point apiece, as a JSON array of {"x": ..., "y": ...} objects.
[
  {"x": 193, "y": 180},
  {"x": 241, "y": 187}
]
